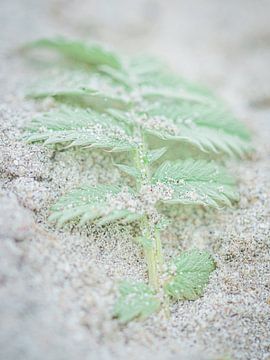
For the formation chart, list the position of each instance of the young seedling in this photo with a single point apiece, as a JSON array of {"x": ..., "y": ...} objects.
[{"x": 169, "y": 129}]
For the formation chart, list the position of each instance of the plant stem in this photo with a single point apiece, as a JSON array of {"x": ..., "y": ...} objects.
[
  {"x": 152, "y": 268},
  {"x": 159, "y": 255},
  {"x": 153, "y": 252}
]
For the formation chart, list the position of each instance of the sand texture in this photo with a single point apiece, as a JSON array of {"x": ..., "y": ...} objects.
[{"x": 58, "y": 287}]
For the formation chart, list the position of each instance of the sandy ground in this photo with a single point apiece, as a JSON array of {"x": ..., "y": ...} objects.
[{"x": 57, "y": 288}]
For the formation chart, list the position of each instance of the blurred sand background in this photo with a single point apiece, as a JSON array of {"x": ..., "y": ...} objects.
[{"x": 57, "y": 288}]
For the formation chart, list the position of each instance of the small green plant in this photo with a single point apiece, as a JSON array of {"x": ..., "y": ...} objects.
[{"x": 169, "y": 130}]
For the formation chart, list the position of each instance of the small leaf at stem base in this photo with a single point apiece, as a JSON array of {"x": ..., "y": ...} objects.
[
  {"x": 191, "y": 271},
  {"x": 136, "y": 300}
]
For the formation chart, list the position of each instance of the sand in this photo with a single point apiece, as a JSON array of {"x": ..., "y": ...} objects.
[{"x": 58, "y": 287}]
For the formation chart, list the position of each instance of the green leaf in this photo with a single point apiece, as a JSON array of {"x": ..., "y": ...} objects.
[
  {"x": 163, "y": 223},
  {"x": 80, "y": 127},
  {"x": 94, "y": 54},
  {"x": 215, "y": 116},
  {"x": 169, "y": 97},
  {"x": 136, "y": 300},
  {"x": 153, "y": 73},
  {"x": 119, "y": 77},
  {"x": 175, "y": 110},
  {"x": 215, "y": 141},
  {"x": 154, "y": 155},
  {"x": 145, "y": 242},
  {"x": 122, "y": 117},
  {"x": 101, "y": 203},
  {"x": 210, "y": 128},
  {"x": 196, "y": 182},
  {"x": 189, "y": 274},
  {"x": 85, "y": 97},
  {"x": 114, "y": 216},
  {"x": 130, "y": 170}
]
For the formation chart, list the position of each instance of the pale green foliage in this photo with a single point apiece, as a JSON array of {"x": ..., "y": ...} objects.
[
  {"x": 209, "y": 127},
  {"x": 191, "y": 181},
  {"x": 80, "y": 127},
  {"x": 79, "y": 51},
  {"x": 86, "y": 97},
  {"x": 155, "y": 154},
  {"x": 138, "y": 106},
  {"x": 153, "y": 73},
  {"x": 145, "y": 242},
  {"x": 190, "y": 274},
  {"x": 196, "y": 182},
  {"x": 136, "y": 300},
  {"x": 145, "y": 92},
  {"x": 130, "y": 170},
  {"x": 91, "y": 203},
  {"x": 214, "y": 116}
]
